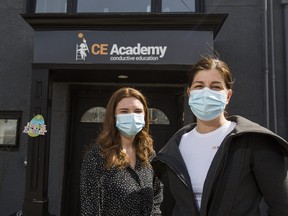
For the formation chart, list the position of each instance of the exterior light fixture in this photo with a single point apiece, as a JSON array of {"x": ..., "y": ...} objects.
[{"x": 122, "y": 76}]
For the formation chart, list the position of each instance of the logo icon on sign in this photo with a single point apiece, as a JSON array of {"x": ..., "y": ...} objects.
[{"x": 82, "y": 48}]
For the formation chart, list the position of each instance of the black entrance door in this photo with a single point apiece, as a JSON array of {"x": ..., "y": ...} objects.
[{"x": 87, "y": 109}]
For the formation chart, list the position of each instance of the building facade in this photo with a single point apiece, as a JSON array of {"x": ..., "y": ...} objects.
[{"x": 61, "y": 61}]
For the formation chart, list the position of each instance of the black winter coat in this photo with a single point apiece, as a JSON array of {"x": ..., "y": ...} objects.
[{"x": 250, "y": 164}]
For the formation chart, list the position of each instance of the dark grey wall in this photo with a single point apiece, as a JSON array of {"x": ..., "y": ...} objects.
[
  {"x": 281, "y": 72},
  {"x": 240, "y": 43},
  {"x": 16, "y": 41},
  {"x": 57, "y": 145}
]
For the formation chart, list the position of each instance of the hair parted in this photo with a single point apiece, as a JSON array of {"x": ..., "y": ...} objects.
[
  {"x": 109, "y": 138},
  {"x": 208, "y": 63}
]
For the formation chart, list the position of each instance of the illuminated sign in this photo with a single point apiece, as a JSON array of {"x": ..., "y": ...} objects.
[
  {"x": 121, "y": 47},
  {"x": 117, "y": 52}
]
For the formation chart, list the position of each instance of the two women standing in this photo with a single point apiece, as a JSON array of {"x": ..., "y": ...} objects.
[{"x": 218, "y": 166}]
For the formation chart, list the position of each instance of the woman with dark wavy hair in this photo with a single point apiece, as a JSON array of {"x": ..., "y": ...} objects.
[{"x": 116, "y": 176}]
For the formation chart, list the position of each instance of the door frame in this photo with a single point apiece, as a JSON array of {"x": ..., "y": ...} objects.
[{"x": 74, "y": 88}]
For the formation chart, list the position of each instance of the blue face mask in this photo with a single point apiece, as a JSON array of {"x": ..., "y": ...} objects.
[
  {"x": 130, "y": 124},
  {"x": 207, "y": 104}
]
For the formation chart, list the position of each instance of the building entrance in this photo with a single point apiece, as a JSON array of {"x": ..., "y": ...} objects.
[{"x": 88, "y": 105}]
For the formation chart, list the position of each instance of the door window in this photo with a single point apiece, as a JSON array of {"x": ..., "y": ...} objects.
[
  {"x": 158, "y": 117},
  {"x": 96, "y": 115}
]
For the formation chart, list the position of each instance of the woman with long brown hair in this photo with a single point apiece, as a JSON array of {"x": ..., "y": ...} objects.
[{"x": 116, "y": 176}]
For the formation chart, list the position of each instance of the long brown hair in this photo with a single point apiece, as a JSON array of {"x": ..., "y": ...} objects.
[{"x": 109, "y": 137}]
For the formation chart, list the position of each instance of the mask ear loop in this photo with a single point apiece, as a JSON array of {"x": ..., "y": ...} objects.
[
  {"x": 188, "y": 91},
  {"x": 229, "y": 95}
]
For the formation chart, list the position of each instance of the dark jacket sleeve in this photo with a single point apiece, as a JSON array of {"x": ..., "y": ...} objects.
[
  {"x": 270, "y": 171},
  {"x": 90, "y": 187},
  {"x": 158, "y": 196},
  {"x": 168, "y": 202}
]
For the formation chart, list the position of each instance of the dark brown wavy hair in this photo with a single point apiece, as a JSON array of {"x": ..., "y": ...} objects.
[
  {"x": 211, "y": 62},
  {"x": 109, "y": 138}
]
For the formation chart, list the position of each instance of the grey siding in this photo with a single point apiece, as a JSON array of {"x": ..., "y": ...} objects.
[{"x": 240, "y": 43}]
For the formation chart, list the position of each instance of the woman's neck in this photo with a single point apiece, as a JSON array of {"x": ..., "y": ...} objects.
[
  {"x": 127, "y": 142},
  {"x": 129, "y": 150},
  {"x": 208, "y": 126}
]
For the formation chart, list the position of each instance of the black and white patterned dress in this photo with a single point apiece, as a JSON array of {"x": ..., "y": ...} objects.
[{"x": 118, "y": 192}]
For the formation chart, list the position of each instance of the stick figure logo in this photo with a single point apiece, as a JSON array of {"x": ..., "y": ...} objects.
[
  {"x": 19, "y": 213},
  {"x": 82, "y": 48}
]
